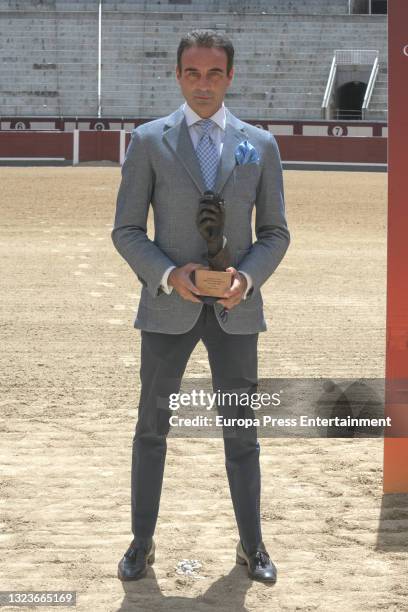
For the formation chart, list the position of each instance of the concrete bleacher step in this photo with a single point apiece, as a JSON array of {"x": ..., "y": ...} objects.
[{"x": 49, "y": 58}]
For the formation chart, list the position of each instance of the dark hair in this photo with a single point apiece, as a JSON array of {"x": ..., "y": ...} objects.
[{"x": 206, "y": 38}]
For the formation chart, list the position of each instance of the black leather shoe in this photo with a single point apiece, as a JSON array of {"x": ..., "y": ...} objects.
[
  {"x": 133, "y": 564},
  {"x": 260, "y": 566}
]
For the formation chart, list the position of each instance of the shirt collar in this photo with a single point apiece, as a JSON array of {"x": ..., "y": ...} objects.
[{"x": 219, "y": 117}]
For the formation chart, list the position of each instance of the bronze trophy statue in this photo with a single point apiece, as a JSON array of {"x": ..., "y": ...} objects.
[{"x": 210, "y": 223}]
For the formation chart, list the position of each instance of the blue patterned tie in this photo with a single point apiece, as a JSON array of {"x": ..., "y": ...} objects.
[
  {"x": 208, "y": 157},
  {"x": 207, "y": 153}
]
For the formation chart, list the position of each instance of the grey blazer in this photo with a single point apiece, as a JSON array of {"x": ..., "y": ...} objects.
[{"x": 161, "y": 168}]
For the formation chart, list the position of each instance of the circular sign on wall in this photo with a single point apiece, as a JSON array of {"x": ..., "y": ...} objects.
[
  {"x": 99, "y": 125},
  {"x": 337, "y": 130},
  {"x": 19, "y": 125}
]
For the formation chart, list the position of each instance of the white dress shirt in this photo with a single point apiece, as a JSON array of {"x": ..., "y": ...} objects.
[{"x": 217, "y": 133}]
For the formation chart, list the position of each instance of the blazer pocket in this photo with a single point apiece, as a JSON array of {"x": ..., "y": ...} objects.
[
  {"x": 253, "y": 302},
  {"x": 247, "y": 169}
]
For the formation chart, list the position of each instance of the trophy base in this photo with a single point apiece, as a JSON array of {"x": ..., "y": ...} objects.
[{"x": 211, "y": 282}]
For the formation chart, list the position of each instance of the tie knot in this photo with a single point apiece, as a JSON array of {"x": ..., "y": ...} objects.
[{"x": 205, "y": 125}]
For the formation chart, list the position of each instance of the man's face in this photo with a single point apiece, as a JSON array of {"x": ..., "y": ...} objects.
[{"x": 203, "y": 78}]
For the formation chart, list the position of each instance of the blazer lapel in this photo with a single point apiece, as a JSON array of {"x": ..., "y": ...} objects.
[
  {"x": 234, "y": 134},
  {"x": 177, "y": 136}
]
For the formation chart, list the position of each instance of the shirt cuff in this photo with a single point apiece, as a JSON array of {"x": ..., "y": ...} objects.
[
  {"x": 163, "y": 283},
  {"x": 249, "y": 283}
]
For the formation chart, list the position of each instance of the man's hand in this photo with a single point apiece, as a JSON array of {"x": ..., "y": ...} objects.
[
  {"x": 233, "y": 296},
  {"x": 179, "y": 278}
]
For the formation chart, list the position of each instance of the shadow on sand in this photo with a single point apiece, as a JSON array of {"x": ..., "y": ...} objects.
[{"x": 225, "y": 595}]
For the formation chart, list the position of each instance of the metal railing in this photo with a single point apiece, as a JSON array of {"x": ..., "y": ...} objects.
[
  {"x": 362, "y": 8},
  {"x": 346, "y": 114},
  {"x": 329, "y": 90},
  {"x": 349, "y": 57},
  {"x": 359, "y": 57},
  {"x": 370, "y": 87}
]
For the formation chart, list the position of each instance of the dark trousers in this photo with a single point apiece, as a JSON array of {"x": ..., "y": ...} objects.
[{"x": 233, "y": 363}]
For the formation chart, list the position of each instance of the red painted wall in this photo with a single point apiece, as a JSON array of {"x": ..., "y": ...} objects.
[
  {"x": 331, "y": 148},
  {"x": 104, "y": 145},
  {"x": 36, "y": 144},
  {"x": 96, "y": 146}
]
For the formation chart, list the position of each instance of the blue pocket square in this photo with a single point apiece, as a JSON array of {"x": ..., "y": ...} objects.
[{"x": 245, "y": 153}]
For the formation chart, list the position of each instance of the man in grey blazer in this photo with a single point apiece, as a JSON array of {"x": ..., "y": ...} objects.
[{"x": 168, "y": 165}]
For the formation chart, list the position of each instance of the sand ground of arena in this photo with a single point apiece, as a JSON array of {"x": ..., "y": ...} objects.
[{"x": 70, "y": 380}]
